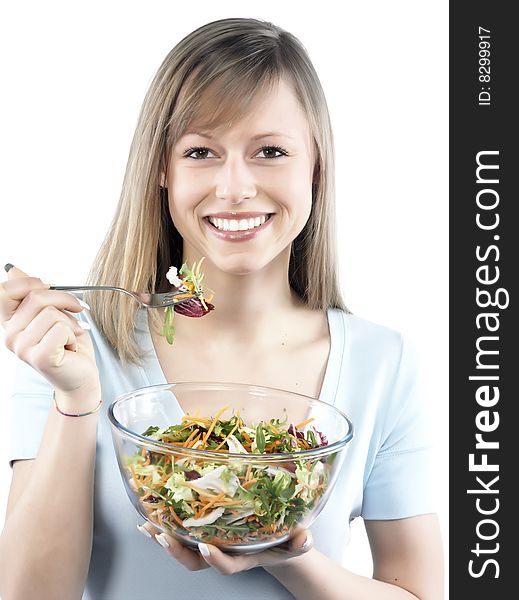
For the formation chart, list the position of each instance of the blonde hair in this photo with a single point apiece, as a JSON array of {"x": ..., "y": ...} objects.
[{"x": 210, "y": 77}]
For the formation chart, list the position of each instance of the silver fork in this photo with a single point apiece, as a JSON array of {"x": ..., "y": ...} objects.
[{"x": 147, "y": 300}]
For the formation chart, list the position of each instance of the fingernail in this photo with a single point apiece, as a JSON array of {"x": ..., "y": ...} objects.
[
  {"x": 161, "y": 539},
  {"x": 8, "y": 267},
  {"x": 308, "y": 542},
  {"x": 83, "y": 304},
  {"x": 144, "y": 531},
  {"x": 84, "y": 325},
  {"x": 204, "y": 550}
]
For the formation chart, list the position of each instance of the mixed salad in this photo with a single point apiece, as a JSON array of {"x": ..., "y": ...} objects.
[
  {"x": 233, "y": 500},
  {"x": 193, "y": 304}
]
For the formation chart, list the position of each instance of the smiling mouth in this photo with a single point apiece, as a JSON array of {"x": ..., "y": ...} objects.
[{"x": 238, "y": 224}]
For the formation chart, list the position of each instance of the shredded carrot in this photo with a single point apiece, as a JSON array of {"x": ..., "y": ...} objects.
[
  {"x": 190, "y": 438},
  {"x": 184, "y": 296},
  {"x": 186, "y": 426},
  {"x": 228, "y": 435},
  {"x": 305, "y": 423},
  {"x": 196, "y": 419},
  {"x": 175, "y": 516},
  {"x": 246, "y": 436},
  {"x": 213, "y": 424},
  {"x": 220, "y": 496},
  {"x": 195, "y": 439},
  {"x": 228, "y": 502},
  {"x": 197, "y": 423},
  {"x": 249, "y": 471},
  {"x": 247, "y": 484},
  {"x": 272, "y": 446}
]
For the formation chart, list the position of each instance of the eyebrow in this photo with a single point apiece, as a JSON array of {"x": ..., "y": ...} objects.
[{"x": 256, "y": 137}]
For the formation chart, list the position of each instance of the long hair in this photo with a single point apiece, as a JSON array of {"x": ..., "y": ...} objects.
[{"x": 211, "y": 77}]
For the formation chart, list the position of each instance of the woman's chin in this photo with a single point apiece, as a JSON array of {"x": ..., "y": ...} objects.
[{"x": 240, "y": 265}]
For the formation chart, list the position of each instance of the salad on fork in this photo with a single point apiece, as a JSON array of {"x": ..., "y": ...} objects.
[{"x": 188, "y": 280}]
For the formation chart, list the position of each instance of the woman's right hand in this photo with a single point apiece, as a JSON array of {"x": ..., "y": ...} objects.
[{"x": 41, "y": 334}]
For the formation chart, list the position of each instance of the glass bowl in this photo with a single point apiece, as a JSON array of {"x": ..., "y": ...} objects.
[{"x": 240, "y": 502}]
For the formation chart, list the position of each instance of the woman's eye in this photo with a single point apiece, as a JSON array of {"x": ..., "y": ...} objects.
[
  {"x": 197, "y": 153},
  {"x": 272, "y": 152}
]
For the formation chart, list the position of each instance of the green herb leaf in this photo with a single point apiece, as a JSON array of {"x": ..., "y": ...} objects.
[
  {"x": 260, "y": 438},
  {"x": 168, "y": 329},
  {"x": 151, "y": 430},
  {"x": 310, "y": 436}
]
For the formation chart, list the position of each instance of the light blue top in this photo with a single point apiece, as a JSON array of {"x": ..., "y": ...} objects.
[{"x": 370, "y": 375}]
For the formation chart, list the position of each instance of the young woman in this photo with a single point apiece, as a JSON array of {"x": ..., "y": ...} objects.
[{"x": 232, "y": 159}]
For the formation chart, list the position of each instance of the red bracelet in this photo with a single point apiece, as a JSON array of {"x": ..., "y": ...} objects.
[{"x": 77, "y": 415}]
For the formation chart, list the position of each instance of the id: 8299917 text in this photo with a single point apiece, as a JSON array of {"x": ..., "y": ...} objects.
[{"x": 484, "y": 67}]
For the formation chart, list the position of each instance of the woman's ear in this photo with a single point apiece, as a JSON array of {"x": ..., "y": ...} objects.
[{"x": 162, "y": 180}]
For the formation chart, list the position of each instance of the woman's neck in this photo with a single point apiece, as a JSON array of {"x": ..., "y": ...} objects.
[{"x": 247, "y": 307}]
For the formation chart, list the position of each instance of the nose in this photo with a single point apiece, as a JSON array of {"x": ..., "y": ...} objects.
[{"x": 235, "y": 182}]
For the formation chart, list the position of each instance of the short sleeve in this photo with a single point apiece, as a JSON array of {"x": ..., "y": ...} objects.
[
  {"x": 401, "y": 481},
  {"x": 31, "y": 398}
]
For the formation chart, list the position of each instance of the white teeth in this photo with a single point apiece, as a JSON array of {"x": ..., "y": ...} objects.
[{"x": 237, "y": 225}]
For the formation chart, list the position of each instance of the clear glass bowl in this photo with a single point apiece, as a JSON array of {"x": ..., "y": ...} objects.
[{"x": 290, "y": 488}]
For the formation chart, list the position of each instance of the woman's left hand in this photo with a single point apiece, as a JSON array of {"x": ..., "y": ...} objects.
[{"x": 227, "y": 564}]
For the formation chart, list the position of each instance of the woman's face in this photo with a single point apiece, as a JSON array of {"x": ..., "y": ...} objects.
[{"x": 241, "y": 195}]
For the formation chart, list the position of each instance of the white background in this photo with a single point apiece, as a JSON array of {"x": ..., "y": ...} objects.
[{"x": 74, "y": 76}]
